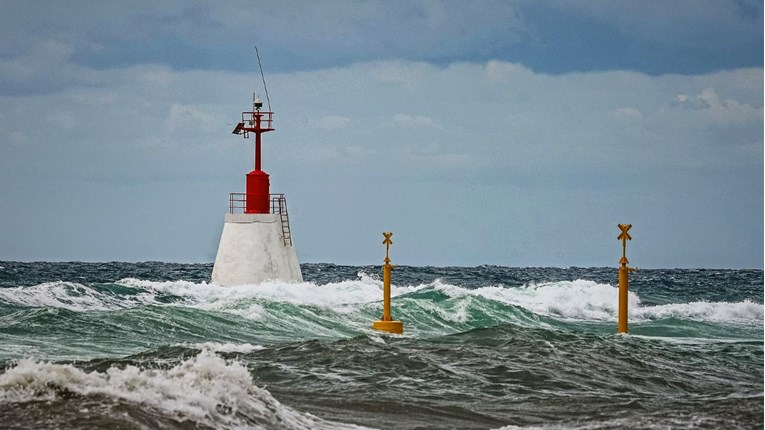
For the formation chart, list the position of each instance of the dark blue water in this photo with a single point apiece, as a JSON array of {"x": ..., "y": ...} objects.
[{"x": 154, "y": 345}]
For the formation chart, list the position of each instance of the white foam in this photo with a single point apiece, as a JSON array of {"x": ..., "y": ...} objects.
[
  {"x": 590, "y": 301},
  {"x": 337, "y": 296},
  {"x": 205, "y": 389},
  {"x": 243, "y": 348},
  {"x": 575, "y": 300},
  {"x": 71, "y": 296},
  {"x": 740, "y": 312},
  {"x": 241, "y": 300}
]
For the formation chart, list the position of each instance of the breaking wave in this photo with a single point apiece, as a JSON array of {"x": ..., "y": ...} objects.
[
  {"x": 205, "y": 389},
  {"x": 438, "y": 302}
]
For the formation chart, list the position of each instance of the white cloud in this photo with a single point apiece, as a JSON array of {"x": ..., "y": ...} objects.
[
  {"x": 728, "y": 111},
  {"x": 720, "y": 111},
  {"x": 406, "y": 74},
  {"x": 517, "y": 119},
  {"x": 501, "y": 71},
  {"x": 44, "y": 66},
  {"x": 526, "y": 149}
]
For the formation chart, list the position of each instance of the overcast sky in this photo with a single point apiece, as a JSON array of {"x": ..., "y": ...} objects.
[{"x": 516, "y": 133}]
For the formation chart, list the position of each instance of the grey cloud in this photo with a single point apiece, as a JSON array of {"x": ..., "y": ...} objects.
[{"x": 557, "y": 37}]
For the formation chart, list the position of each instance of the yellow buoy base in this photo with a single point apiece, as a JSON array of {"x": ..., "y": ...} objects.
[{"x": 396, "y": 327}]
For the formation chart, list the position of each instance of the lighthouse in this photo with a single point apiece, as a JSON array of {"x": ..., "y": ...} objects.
[{"x": 256, "y": 244}]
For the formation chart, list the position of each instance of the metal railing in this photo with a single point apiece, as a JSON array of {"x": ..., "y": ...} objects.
[
  {"x": 254, "y": 122},
  {"x": 250, "y": 119},
  {"x": 237, "y": 203}
]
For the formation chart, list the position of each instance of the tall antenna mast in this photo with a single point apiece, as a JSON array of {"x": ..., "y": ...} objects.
[
  {"x": 262, "y": 77},
  {"x": 257, "y": 197}
]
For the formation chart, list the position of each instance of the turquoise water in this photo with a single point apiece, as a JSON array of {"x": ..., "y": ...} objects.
[{"x": 150, "y": 345}]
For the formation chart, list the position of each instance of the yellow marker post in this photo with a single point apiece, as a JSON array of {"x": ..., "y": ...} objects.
[
  {"x": 624, "y": 278},
  {"x": 386, "y": 323}
]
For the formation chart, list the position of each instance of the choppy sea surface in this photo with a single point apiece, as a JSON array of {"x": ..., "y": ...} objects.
[{"x": 155, "y": 345}]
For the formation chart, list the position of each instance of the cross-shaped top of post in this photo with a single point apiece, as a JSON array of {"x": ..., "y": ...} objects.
[
  {"x": 387, "y": 242},
  {"x": 624, "y": 237}
]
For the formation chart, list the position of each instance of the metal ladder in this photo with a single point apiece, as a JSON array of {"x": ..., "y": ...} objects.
[{"x": 279, "y": 204}]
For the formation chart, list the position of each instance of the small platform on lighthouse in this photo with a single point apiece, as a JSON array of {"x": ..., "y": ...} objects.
[{"x": 256, "y": 244}]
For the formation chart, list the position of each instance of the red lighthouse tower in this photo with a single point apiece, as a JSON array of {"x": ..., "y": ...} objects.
[
  {"x": 256, "y": 244},
  {"x": 257, "y": 191}
]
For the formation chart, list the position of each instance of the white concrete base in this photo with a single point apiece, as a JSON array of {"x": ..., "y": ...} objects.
[{"x": 252, "y": 251}]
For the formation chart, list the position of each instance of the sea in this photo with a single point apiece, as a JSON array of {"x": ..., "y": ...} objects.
[{"x": 155, "y": 345}]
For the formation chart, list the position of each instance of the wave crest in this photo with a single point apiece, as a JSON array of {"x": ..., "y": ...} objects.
[
  {"x": 74, "y": 297},
  {"x": 204, "y": 388},
  {"x": 575, "y": 300},
  {"x": 352, "y": 300},
  {"x": 740, "y": 312}
]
